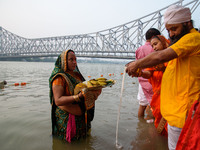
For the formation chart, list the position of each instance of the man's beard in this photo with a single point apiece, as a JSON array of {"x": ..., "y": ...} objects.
[{"x": 184, "y": 31}]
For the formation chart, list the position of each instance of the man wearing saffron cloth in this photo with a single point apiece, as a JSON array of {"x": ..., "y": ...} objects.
[{"x": 180, "y": 85}]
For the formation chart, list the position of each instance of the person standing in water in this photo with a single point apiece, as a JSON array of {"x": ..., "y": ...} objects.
[
  {"x": 180, "y": 85},
  {"x": 71, "y": 120},
  {"x": 145, "y": 91},
  {"x": 154, "y": 76}
]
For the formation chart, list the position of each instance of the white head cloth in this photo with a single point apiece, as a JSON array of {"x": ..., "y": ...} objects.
[{"x": 176, "y": 14}]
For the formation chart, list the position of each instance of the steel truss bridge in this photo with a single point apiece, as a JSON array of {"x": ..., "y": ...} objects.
[{"x": 117, "y": 42}]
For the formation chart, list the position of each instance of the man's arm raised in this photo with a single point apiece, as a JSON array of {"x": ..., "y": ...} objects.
[{"x": 151, "y": 60}]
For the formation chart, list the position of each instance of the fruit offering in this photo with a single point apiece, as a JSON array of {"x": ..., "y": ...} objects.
[
  {"x": 100, "y": 82},
  {"x": 94, "y": 84}
]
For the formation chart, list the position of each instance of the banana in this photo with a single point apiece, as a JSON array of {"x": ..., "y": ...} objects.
[
  {"x": 99, "y": 82},
  {"x": 89, "y": 84},
  {"x": 102, "y": 83},
  {"x": 94, "y": 82},
  {"x": 81, "y": 85}
]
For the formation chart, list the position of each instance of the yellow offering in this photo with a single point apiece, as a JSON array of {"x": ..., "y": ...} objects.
[
  {"x": 89, "y": 86},
  {"x": 94, "y": 84}
]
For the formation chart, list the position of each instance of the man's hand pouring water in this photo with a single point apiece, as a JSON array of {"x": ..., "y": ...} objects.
[{"x": 132, "y": 69}]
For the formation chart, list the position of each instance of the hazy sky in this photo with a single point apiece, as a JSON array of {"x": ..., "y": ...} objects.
[{"x": 46, "y": 18}]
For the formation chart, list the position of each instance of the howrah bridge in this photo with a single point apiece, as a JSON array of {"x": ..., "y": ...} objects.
[{"x": 117, "y": 42}]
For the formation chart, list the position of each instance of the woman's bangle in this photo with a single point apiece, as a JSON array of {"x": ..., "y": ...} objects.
[{"x": 76, "y": 98}]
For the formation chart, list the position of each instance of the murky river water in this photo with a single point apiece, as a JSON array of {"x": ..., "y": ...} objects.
[{"x": 25, "y": 121}]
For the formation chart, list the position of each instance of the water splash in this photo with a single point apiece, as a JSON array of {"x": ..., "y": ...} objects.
[{"x": 118, "y": 146}]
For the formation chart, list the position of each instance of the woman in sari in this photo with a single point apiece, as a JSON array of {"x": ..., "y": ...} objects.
[
  {"x": 71, "y": 120},
  {"x": 154, "y": 75}
]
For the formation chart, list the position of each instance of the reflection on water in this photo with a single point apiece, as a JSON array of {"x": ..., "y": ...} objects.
[
  {"x": 148, "y": 138},
  {"x": 25, "y": 120}
]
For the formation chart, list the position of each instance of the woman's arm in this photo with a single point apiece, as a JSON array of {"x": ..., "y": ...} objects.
[
  {"x": 66, "y": 102},
  {"x": 60, "y": 99}
]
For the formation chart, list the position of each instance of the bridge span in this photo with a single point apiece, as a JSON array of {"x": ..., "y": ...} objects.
[{"x": 117, "y": 42}]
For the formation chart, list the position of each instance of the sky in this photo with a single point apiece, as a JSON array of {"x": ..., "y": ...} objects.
[{"x": 48, "y": 18}]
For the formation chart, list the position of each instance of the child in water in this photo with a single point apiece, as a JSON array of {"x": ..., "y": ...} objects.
[{"x": 154, "y": 75}]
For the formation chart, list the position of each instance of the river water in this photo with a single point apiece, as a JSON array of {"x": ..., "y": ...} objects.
[{"x": 25, "y": 121}]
